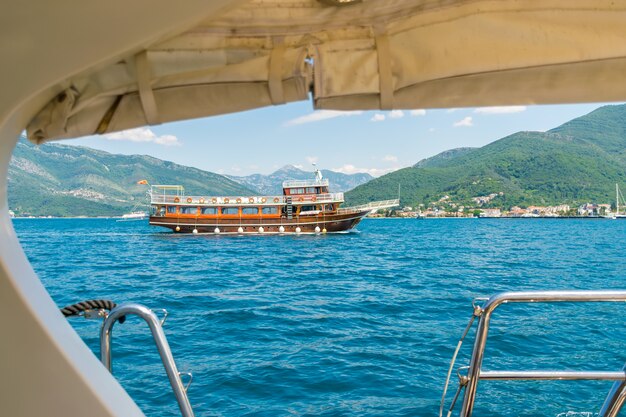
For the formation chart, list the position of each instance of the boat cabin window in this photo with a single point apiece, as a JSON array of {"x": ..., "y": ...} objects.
[
  {"x": 171, "y": 209},
  {"x": 329, "y": 207},
  {"x": 230, "y": 210},
  {"x": 310, "y": 190},
  {"x": 296, "y": 191},
  {"x": 188, "y": 210},
  {"x": 308, "y": 208},
  {"x": 158, "y": 211},
  {"x": 209, "y": 210},
  {"x": 250, "y": 210},
  {"x": 270, "y": 210}
]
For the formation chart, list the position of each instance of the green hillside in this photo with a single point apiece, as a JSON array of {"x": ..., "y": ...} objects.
[
  {"x": 577, "y": 162},
  {"x": 442, "y": 158},
  {"x": 61, "y": 180}
]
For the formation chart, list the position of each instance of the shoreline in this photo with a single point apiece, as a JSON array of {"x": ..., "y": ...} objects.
[
  {"x": 502, "y": 218},
  {"x": 366, "y": 218}
]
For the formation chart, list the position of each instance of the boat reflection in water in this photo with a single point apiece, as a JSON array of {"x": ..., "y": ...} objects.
[{"x": 304, "y": 207}]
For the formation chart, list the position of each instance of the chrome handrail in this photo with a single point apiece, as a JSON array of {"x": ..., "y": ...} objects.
[
  {"x": 614, "y": 400},
  {"x": 552, "y": 375},
  {"x": 475, "y": 373},
  {"x": 161, "y": 342}
]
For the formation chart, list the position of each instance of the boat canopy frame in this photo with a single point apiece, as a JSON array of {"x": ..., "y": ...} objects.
[{"x": 367, "y": 55}]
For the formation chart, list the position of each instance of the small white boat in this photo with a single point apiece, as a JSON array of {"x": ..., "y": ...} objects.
[{"x": 135, "y": 215}]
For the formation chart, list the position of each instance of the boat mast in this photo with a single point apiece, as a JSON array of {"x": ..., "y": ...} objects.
[{"x": 616, "y": 199}]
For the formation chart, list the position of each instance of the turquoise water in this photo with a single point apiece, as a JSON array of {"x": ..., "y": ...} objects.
[{"x": 360, "y": 324}]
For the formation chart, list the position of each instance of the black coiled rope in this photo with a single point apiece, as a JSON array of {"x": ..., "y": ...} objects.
[{"x": 76, "y": 309}]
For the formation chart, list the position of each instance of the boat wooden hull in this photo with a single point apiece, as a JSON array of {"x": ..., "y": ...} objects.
[{"x": 333, "y": 223}]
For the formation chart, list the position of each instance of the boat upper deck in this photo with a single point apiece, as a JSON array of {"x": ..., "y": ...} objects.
[
  {"x": 305, "y": 183},
  {"x": 295, "y": 192},
  {"x": 180, "y": 199}
]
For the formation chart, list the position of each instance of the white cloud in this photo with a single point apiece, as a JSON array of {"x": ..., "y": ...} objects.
[
  {"x": 319, "y": 115},
  {"x": 465, "y": 122},
  {"x": 418, "y": 112},
  {"x": 500, "y": 110},
  {"x": 390, "y": 158},
  {"x": 377, "y": 117},
  {"x": 167, "y": 140},
  {"x": 374, "y": 172},
  {"x": 298, "y": 166},
  {"x": 143, "y": 134},
  {"x": 432, "y": 129},
  {"x": 396, "y": 114},
  {"x": 311, "y": 159}
]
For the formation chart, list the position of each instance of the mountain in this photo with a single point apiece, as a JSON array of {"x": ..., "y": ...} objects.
[
  {"x": 62, "y": 180},
  {"x": 272, "y": 184},
  {"x": 442, "y": 158},
  {"x": 577, "y": 162}
]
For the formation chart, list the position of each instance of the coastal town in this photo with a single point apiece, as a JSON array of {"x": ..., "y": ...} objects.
[{"x": 444, "y": 207}]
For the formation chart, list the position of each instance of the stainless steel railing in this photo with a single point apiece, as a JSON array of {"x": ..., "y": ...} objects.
[
  {"x": 615, "y": 398},
  {"x": 163, "y": 347}
]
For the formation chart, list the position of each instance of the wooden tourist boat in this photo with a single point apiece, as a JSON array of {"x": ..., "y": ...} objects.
[{"x": 304, "y": 207}]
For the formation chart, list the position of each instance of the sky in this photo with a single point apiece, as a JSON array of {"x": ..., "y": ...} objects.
[{"x": 377, "y": 142}]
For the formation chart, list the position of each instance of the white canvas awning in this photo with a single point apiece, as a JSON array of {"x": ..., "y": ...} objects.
[{"x": 373, "y": 54}]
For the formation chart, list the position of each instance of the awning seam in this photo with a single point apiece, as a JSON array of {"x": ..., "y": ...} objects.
[
  {"x": 275, "y": 82},
  {"x": 384, "y": 69},
  {"x": 146, "y": 95}
]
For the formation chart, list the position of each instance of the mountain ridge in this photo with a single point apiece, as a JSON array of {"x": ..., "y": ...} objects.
[
  {"x": 95, "y": 182},
  {"x": 579, "y": 161},
  {"x": 271, "y": 184},
  {"x": 443, "y": 157},
  {"x": 69, "y": 180}
]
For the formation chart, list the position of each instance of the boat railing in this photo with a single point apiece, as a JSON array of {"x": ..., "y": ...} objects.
[
  {"x": 97, "y": 309},
  {"x": 156, "y": 327},
  {"x": 475, "y": 373},
  {"x": 305, "y": 183},
  {"x": 376, "y": 205},
  {"x": 249, "y": 200}
]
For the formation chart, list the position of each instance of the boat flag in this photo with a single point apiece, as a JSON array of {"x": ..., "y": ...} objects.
[{"x": 142, "y": 182}]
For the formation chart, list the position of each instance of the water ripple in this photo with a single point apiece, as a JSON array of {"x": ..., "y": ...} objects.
[{"x": 359, "y": 324}]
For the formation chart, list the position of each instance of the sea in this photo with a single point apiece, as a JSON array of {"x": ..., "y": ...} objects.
[{"x": 357, "y": 324}]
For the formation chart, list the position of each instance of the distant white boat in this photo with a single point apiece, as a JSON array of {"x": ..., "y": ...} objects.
[
  {"x": 135, "y": 215},
  {"x": 11, "y": 214}
]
